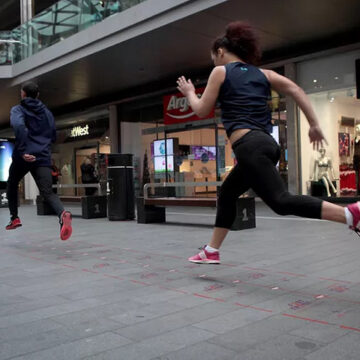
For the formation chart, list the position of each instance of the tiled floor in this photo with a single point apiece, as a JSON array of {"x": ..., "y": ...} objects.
[{"x": 288, "y": 289}]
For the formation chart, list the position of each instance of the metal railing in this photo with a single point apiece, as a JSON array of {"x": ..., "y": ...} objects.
[
  {"x": 54, "y": 24},
  {"x": 80, "y": 186},
  {"x": 178, "y": 184}
]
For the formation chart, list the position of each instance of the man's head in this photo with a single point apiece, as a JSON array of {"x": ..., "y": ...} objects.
[{"x": 29, "y": 89}]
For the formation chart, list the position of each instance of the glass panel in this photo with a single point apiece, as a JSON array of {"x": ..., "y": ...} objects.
[
  {"x": 191, "y": 158},
  {"x": 56, "y": 23},
  {"x": 6, "y": 48},
  {"x": 334, "y": 171}
]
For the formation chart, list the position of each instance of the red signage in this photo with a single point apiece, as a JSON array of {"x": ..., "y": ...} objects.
[{"x": 177, "y": 109}]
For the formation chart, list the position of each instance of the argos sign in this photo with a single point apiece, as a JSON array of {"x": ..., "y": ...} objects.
[{"x": 177, "y": 108}]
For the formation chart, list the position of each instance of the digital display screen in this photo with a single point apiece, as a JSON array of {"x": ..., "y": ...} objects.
[
  {"x": 159, "y": 147},
  {"x": 198, "y": 151},
  {"x": 6, "y": 150},
  {"x": 159, "y": 163}
]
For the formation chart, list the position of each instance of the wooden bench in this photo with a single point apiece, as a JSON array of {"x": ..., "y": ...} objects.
[{"x": 152, "y": 209}]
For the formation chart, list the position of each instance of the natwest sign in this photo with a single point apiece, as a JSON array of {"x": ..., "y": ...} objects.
[{"x": 177, "y": 109}]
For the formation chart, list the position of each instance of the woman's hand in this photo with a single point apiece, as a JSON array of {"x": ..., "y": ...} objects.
[
  {"x": 317, "y": 137},
  {"x": 185, "y": 86}
]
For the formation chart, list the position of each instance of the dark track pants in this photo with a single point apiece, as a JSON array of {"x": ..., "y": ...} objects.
[{"x": 43, "y": 179}]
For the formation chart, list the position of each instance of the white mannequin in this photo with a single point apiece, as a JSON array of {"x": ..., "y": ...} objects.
[
  {"x": 322, "y": 169},
  {"x": 357, "y": 133}
]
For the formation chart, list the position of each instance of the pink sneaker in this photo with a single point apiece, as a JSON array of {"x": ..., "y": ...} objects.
[
  {"x": 65, "y": 225},
  {"x": 205, "y": 257},
  {"x": 355, "y": 211}
]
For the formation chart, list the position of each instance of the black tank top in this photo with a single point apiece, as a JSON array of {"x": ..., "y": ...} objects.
[{"x": 244, "y": 97}]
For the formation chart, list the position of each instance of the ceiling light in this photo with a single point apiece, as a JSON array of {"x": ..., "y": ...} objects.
[{"x": 315, "y": 81}]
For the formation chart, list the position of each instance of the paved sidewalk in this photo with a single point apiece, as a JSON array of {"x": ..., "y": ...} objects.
[{"x": 288, "y": 289}]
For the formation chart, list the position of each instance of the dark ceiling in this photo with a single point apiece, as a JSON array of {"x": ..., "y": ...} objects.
[{"x": 153, "y": 61}]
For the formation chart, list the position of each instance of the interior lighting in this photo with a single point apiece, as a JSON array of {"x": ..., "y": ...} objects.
[
  {"x": 336, "y": 78},
  {"x": 332, "y": 99},
  {"x": 315, "y": 81}
]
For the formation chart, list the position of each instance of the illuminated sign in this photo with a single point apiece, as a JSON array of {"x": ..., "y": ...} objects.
[
  {"x": 78, "y": 131},
  {"x": 178, "y": 110}
]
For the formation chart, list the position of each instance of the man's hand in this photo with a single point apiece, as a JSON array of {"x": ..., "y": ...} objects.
[
  {"x": 317, "y": 137},
  {"x": 29, "y": 158}
]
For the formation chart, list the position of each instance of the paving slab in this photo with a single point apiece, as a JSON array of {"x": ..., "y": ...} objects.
[{"x": 288, "y": 289}]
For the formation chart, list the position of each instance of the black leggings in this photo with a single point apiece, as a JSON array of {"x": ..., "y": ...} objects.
[
  {"x": 257, "y": 154},
  {"x": 43, "y": 179}
]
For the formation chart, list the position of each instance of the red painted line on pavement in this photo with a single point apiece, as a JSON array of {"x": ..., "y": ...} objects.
[
  {"x": 90, "y": 271},
  {"x": 307, "y": 319},
  {"x": 208, "y": 297},
  {"x": 349, "y": 328},
  {"x": 253, "y": 307},
  {"x": 69, "y": 266},
  {"x": 339, "y": 281},
  {"x": 290, "y": 273},
  {"x": 140, "y": 282}
]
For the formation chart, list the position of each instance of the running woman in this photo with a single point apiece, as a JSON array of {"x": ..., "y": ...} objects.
[
  {"x": 243, "y": 91},
  {"x": 35, "y": 131}
]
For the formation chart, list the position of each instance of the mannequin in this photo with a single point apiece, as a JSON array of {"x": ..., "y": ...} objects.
[
  {"x": 322, "y": 169},
  {"x": 66, "y": 178},
  {"x": 356, "y": 159}
]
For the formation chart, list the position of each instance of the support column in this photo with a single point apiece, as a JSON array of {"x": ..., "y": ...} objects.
[
  {"x": 114, "y": 132},
  {"x": 293, "y": 137},
  {"x": 26, "y": 10}
]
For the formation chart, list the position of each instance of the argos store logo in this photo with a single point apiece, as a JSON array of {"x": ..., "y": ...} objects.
[{"x": 178, "y": 110}]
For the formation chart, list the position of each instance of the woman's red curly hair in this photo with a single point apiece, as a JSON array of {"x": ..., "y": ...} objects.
[{"x": 240, "y": 39}]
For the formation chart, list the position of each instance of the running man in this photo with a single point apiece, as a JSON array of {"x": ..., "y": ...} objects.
[
  {"x": 243, "y": 91},
  {"x": 34, "y": 127}
]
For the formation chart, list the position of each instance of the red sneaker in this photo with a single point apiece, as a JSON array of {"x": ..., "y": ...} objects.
[
  {"x": 65, "y": 225},
  {"x": 355, "y": 211},
  {"x": 13, "y": 224},
  {"x": 205, "y": 257}
]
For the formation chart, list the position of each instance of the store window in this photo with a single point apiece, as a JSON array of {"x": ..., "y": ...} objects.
[
  {"x": 330, "y": 83},
  {"x": 85, "y": 142},
  {"x": 194, "y": 151}
]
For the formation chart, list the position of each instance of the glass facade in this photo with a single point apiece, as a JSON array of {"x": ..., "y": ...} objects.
[
  {"x": 331, "y": 86},
  {"x": 194, "y": 151},
  {"x": 56, "y": 23}
]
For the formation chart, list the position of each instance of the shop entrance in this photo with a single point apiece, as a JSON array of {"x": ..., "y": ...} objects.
[
  {"x": 90, "y": 152},
  {"x": 193, "y": 157},
  {"x": 191, "y": 152}
]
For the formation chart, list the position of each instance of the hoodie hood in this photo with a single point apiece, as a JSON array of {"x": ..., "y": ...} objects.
[{"x": 33, "y": 105}]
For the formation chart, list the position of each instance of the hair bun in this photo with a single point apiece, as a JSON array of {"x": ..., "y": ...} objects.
[
  {"x": 240, "y": 39},
  {"x": 238, "y": 29}
]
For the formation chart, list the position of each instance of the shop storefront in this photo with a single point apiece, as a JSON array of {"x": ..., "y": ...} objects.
[
  {"x": 82, "y": 142},
  {"x": 330, "y": 83},
  {"x": 195, "y": 150}
]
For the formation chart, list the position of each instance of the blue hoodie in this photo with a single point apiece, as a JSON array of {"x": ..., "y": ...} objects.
[{"x": 34, "y": 127}]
